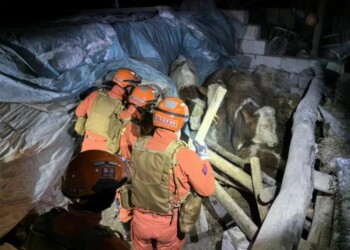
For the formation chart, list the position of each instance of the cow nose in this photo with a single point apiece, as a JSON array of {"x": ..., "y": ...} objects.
[{"x": 273, "y": 142}]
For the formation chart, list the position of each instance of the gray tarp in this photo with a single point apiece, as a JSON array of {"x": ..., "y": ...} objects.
[{"x": 43, "y": 69}]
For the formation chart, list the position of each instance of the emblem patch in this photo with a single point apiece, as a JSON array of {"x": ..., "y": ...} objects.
[
  {"x": 107, "y": 172},
  {"x": 204, "y": 170},
  {"x": 172, "y": 123}
]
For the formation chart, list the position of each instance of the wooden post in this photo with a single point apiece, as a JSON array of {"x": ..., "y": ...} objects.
[
  {"x": 209, "y": 116},
  {"x": 284, "y": 223},
  {"x": 220, "y": 150},
  {"x": 225, "y": 180},
  {"x": 320, "y": 232},
  {"x": 231, "y": 170},
  {"x": 257, "y": 185},
  {"x": 267, "y": 195},
  {"x": 201, "y": 134},
  {"x": 324, "y": 182},
  {"x": 238, "y": 161},
  {"x": 238, "y": 215},
  {"x": 322, "y": 4}
]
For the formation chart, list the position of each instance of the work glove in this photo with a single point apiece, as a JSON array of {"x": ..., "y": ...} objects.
[
  {"x": 117, "y": 207},
  {"x": 201, "y": 149}
]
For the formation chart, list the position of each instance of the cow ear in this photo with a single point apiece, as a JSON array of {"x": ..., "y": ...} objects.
[
  {"x": 203, "y": 90},
  {"x": 248, "y": 117}
]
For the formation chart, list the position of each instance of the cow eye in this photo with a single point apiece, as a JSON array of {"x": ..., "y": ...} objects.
[{"x": 263, "y": 127}]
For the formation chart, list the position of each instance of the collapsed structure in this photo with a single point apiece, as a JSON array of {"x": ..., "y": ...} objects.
[{"x": 44, "y": 69}]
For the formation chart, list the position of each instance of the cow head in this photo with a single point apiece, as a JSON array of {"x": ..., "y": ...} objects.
[
  {"x": 265, "y": 132},
  {"x": 254, "y": 125}
]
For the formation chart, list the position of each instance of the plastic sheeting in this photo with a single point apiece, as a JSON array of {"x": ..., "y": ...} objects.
[{"x": 44, "y": 69}]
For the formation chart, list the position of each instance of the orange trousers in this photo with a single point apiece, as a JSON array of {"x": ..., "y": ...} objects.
[{"x": 149, "y": 230}]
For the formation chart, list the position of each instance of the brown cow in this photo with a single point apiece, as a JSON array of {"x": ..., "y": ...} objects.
[{"x": 244, "y": 117}]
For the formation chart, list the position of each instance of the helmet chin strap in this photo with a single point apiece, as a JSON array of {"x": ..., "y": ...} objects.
[
  {"x": 140, "y": 112},
  {"x": 128, "y": 89}
]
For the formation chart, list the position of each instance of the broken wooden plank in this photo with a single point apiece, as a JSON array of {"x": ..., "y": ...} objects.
[
  {"x": 234, "y": 238},
  {"x": 316, "y": 38},
  {"x": 296, "y": 190},
  {"x": 231, "y": 170},
  {"x": 202, "y": 223},
  {"x": 237, "y": 160},
  {"x": 225, "y": 181},
  {"x": 310, "y": 213},
  {"x": 209, "y": 116},
  {"x": 324, "y": 182},
  {"x": 320, "y": 232},
  {"x": 257, "y": 185},
  {"x": 221, "y": 151},
  {"x": 267, "y": 195},
  {"x": 224, "y": 217},
  {"x": 238, "y": 215}
]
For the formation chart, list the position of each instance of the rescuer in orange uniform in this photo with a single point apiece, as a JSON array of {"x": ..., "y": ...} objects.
[
  {"x": 96, "y": 113},
  {"x": 156, "y": 192},
  {"x": 141, "y": 100},
  {"x": 90, "y": 182}
]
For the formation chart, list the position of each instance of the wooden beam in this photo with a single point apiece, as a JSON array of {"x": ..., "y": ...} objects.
[
  {"x": 320, "y": 232},
  {"x": 201, "y": 134},
  {"x": 267, "y": 195},
  {"x": 284, "y": 223},
  {"x": 221, "y": 151},
  {"x": 324, "y": 182},
  {"x": 225, "y": 181},
  {"x": 209, "y": 116},
  {"x": 231, "y": 170},
  {"x": 322, "y": 5},
  {"x": 257, "y": 186},
  {"x": 238, "y": 161},
  {"x": 238, "y": 215}
]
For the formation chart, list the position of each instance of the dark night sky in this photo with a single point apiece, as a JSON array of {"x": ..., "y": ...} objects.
[{"x": 14, "y": 11}]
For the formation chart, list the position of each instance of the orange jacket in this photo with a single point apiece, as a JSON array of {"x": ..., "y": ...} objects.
[
  {"x": 131, "y": 133},
  {"x": 191, "y": 171},
  {"x": 84, "y": 108},
  {"x": 127, "y": 141}
]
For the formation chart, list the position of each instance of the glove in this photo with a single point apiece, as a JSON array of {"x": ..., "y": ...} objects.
[
  {"x": 117, "y": 207},
  {"x": 201, "y": 149}
]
